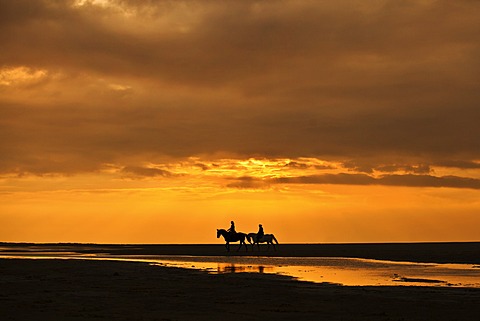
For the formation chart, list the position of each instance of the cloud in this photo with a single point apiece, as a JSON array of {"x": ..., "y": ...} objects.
[
  {"x": 246, "y": 182},
  {"x": 292, "y": 47},
  {"x": 459, "y": 164},
  {"x": 307, "y": 165},
  {"x": 415, "y": 169},
  {"x": 430, "y": 181},
  {"x": 342, "y": 179},
  {"x": 137, "y": 171},
  {"x": 377, "y": 85},
  {"x": 408, "y": 180},
  {"x": 21, "y": 76}
]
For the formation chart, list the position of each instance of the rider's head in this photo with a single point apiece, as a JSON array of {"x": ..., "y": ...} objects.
[
  {"x": 260, "y": 225},
  {"x": 231, "y": 222}
]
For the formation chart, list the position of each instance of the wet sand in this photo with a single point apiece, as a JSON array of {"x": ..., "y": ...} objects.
[
  {"x": 460, "y": 252},
  {"x": 110, "y": 290}
]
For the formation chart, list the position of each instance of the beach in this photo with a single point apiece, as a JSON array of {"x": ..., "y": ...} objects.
[
  {"x": 63, "y": 289},
  {"x": 105, "y": 290}
]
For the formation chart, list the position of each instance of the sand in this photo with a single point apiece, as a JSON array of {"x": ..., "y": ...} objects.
[
  {"x": 48, "y": 289},
  {"x": 460, "y": 252}
]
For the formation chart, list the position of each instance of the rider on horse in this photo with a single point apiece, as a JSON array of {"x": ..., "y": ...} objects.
[
  {"x": 260, "y": 233},
  {"x": 231, "y": 230}
]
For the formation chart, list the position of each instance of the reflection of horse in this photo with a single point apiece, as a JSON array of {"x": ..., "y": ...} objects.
[
  {"x": 267, "y": 238},
  {"x": 232, "y": 237}
]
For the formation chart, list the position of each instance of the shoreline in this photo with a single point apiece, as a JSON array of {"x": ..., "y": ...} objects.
[
  {"x": 441, "y": 252},
  {"x": 113, "y": 290}
]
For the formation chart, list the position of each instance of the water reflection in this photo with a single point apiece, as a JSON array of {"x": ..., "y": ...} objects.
[
  {"x": 345, "y": 271},
  {"x": 236, "y": 268}
]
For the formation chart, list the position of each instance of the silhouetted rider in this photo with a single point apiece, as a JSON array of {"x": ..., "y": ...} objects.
[
  {"x": 232, "y": 228},
  {"x": 260, "y": 232}
]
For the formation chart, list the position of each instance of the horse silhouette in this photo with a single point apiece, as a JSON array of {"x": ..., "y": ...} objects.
[
  {"x": 267, "y": 238},
  {"x": 232, "y": 237}
]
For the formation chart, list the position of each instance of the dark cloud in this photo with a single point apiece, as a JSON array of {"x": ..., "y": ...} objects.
[
  {"x": 318, "y": 44},
  {"x": 415, "y": 169},
  {"x": 368, "y": 84},
  {"x": 138, "y": 171},
  {"x": 459, "y": 164},
  {"x": 306, "y": 165},
  {"x": 298, "y": 165},
  {"x": 430, "y": 181},
  {"x": 202, "y": 166},
  {"x": 409, "y": 180},
  {"x": 247, "y": 182},
  {"x": 342, "y": 179}
]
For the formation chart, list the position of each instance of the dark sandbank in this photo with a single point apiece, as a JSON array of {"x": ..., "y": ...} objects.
[
  {"x": 110, "y": 290},
  {"x": 455, "y": 252}
]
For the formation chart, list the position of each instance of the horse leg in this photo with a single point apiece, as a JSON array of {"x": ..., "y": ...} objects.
[{"x": 227, "y": 245}]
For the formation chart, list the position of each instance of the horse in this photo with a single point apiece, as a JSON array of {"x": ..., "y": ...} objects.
[
  {"x": 267, "y": 238},
  {"x": 232, "y": 237}
]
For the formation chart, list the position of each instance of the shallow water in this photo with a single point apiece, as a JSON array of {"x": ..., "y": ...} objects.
[{"x": 344, "y": 271}]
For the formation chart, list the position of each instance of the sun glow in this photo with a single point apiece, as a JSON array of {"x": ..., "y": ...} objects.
[
  {"x": 183, "y": 202},
  {"x": 21, "y": 76}
]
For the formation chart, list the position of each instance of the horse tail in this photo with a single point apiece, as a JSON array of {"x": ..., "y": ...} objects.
[{"x": 273, "y": 237}]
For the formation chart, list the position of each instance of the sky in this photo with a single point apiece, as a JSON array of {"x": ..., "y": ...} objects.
[{"x": 160, "y": 121}]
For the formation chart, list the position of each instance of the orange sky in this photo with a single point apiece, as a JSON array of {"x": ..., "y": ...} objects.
[{"x": 347, "y": 121}]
